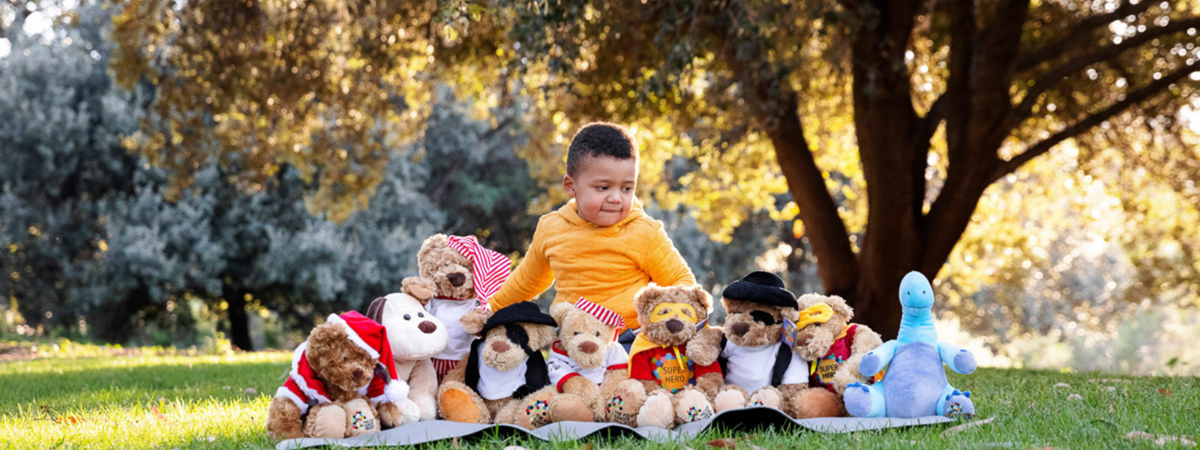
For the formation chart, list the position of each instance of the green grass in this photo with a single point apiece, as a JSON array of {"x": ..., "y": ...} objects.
[{"x": 168, "y": 401}]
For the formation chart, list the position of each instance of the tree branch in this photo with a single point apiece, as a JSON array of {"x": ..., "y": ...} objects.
[
  {"x": 1078, "y": 36},
  {"x": 963, "y": 33},
  {"x": 1081, "y": 126},
  {"x": 1051, "y": 78}
]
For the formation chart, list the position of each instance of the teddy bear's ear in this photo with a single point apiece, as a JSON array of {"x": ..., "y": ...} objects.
[
  {"x": 839, "y": 306},
  {"x": 700, "y": 296},
  {"x": 791, "y": 314},
  {"x": 559, "y": 311},
  {"x": 540, "y": 335},
  {"x": 646, "y": 296},
  {"x": 431, "y": 244}
]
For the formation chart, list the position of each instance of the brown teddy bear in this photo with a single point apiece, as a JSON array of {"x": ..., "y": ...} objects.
[
  {"x": 666, "y": 387},
  {"x": 457, "y": 275},
  {"x": 586, "y": 363},
  {"x": 502, "y": 367},
  {"x": 342, "y": 383},
  {"x": 415, "y": 336},
  {"x": 759, "y": 369},
  {"x": 835, "y": 347}
]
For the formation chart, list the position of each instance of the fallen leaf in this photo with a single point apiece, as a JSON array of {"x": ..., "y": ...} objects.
[
  {"x": 1074, "y": 397},
  {"x": 960, "y": 428},
  {"x": 251, "y": 391},
  {"x": 1062, "y": 385},
  {"x": 1160, "y": 439},
  {"x": 158, "y": 413},
  {"x": 1165, "y": 391},
  {"x": 587, "y": 446},
  {"x": 69, "y": 419},
  {"x": 723, "y": 443},
  {"x": 454, "y": 442},
  {"x": 1111, "y": 410}
]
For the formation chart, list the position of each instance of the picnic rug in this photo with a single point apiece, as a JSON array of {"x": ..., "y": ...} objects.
[{"x": 733, "y": 420}]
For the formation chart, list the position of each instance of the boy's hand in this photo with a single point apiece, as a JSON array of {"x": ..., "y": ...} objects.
[{"x": 420, "y": 288}]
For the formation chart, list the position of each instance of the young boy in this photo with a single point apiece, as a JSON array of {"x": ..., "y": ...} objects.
[{"x": 601, "y": 245}]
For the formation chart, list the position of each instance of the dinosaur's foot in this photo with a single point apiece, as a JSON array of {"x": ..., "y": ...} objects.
[
  {"x": 864, "y": 401},
  {"x": 958, "y": 404}
]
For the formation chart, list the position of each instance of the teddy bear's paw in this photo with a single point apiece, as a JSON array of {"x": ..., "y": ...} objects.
[
  {"x": 420, "y": 288},
  {"x": 657, "y": 411},
  {"x": 693, "y": 406},
  {"x": 769, "y": 397},
  {"x": 570, "y": 407},
  {"x": 409, "y": 412},
  {"x": 458, "y": 406},
  {"x": 328, "y": 422},
  {"x": 360, "y": 419},
  {"x": 625, "y": 404},
  {"x": 729, "y": 399}
]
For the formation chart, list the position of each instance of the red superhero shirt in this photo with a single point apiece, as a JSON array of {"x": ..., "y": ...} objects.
[
  {"x": 662, "y": 365},
  {"x": 822, "y": 370}
]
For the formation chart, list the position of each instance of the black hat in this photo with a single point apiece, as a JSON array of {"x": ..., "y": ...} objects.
[
  {"x": 520, "y": 312},
  {"x": 761, "y": 287}
]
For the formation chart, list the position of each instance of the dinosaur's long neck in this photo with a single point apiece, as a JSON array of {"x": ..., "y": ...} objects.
[{"x": 916, "y": 325}]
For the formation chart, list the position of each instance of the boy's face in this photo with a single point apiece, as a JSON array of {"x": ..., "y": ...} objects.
[{"x": 603, "y": 189}]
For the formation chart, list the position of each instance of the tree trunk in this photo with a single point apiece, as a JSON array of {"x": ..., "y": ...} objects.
[{"x": 239, "y": 322}]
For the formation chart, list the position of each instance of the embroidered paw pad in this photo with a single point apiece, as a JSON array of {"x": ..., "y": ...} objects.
[
  {"x": 360, "y": 421},
  {"x": 537, "y": 407},
  {"x": 695, "y": 414},
  {"x": 615, "y": 402}
]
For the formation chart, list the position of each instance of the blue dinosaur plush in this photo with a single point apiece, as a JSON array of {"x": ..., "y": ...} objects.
[{"x": 915, "y": 383}]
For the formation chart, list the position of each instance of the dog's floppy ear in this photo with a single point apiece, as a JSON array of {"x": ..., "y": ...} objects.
[{"x": 375, "y": 311}]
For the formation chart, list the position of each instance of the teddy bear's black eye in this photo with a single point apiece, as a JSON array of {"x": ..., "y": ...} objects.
[
  {"x": 577, "y": 333},
  {"x": 597, "y": 334},
  {"x": 344, "y": 359},
  {"x": 420, "y": 314},
  {"x": 407, "y": 317}
]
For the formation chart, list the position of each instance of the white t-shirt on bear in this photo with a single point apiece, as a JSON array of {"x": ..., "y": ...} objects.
[
  {"x": 449, "y": 311},
  {"x": 495, "y": 385},
  {"x": 751, "y": 367},
  {"x": 560, "y": 363}
]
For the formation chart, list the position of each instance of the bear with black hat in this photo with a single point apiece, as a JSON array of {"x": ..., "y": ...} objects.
[
  {"x": 504, "y": 365},
  {"x": 751, "y": 340}
]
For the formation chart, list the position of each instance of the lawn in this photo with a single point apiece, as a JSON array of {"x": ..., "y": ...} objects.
[{"x": 167, "y": 401}]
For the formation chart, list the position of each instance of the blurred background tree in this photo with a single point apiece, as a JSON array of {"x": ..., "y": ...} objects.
[{"x": 1038, "y": 158}]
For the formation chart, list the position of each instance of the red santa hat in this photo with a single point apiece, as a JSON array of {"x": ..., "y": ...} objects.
[
  {"x": 303, "y": 385},
  {"x": 607, "y": 316},
  {"x": 489, "y": 268}
]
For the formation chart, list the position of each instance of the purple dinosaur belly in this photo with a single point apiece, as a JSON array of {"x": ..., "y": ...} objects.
[{"x": 914, "y": 381}]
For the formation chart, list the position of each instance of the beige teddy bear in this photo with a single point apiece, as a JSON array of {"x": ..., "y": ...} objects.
[
  {"x": 586, "y": 363},
  {"x": 666, "y": 387},
  {"x": 835, "y": 348},
  {"x": 457, "y": 275},
  {"x": 501, "y": 369}
]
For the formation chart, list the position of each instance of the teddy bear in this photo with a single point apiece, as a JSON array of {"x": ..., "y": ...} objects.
[
  {"x": 665, "y": 387},
  {"x": 415, "y": 336},
  {"x": 586, "y": 363},
  {"x": 456, "y": 275},
  {"x": 342, "y": 383},
  {"x": 834, "y": 348},
  {"x": 759, "y": 369},
  {"x": 503, "y": 366}
]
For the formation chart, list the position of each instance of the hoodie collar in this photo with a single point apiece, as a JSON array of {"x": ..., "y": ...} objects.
[{"x": 570, "y": 212}]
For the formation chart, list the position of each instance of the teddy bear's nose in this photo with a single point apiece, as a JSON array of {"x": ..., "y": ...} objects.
[
  {"x": 674, "y": 326},
  {"x": 500, "y": 347},
  {"x": 589, "y": 347},
  {"x": 803, "y": 339},
  {"x": 358, "y": 373},
  {"x": 457, "y": 279},
  {"x": 427, "y": 327},
  {"x": 740, "y": 328}
]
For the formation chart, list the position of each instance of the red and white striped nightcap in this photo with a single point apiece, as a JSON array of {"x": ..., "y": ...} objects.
[
  {"x": 489, "y": 268},
  {"x": 605, "y": 315}
]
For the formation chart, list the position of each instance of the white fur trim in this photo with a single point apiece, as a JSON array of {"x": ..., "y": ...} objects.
[
  {"x": 288, "y": 394},
  {"x": 354, "y": 337},
  {"x": 300, "y": 381},
  {"x": 395, "y": 391}
]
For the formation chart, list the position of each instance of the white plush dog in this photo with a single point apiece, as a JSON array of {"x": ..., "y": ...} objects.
[{"x": 415, "y": 336}]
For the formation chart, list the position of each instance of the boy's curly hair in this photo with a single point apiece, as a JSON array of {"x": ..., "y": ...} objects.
[{"x": 599, "y": 139}]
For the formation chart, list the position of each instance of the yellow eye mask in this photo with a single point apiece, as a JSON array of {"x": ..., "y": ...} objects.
[
  {"x": 818, "y": 313},
  {"x": 667, "y": 311}
]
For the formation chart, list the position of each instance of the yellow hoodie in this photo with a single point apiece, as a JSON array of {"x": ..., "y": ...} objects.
[{"x": 606, "y": 265}]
